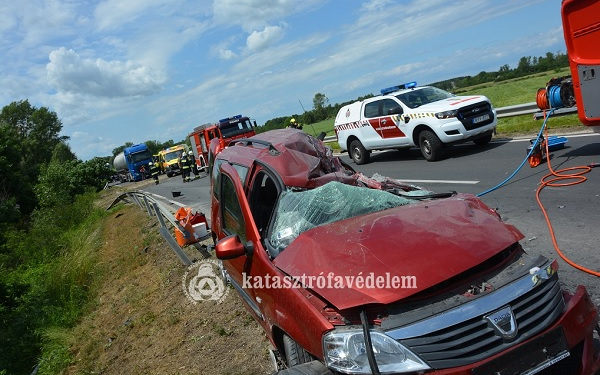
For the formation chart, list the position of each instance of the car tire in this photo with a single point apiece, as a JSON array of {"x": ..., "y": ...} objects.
[
  {"x": 358, "y": 153},
  {"x": 294, "y": 353},
  {"x": 483, "y": 140},
  {"x": 431, "y": 146}
]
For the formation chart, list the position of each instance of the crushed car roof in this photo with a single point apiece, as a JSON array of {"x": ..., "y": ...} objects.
[{"x": 300, "y": 159}]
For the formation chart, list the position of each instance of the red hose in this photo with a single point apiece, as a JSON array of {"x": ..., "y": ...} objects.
[
  {"x": 541, "y": 99},
  {"x": 554, "y": 178}
]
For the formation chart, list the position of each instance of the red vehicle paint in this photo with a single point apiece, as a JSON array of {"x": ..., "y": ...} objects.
[
  {"x": 474, "y": 302},
  {"x": 581, "y": 27}
]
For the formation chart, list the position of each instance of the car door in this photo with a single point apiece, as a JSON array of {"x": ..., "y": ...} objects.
[
  {"x": 382, "y": 115},
  {"x": 390, "y": 123},
  {"x": 249, "y": 271},
  {"x": 261, "y": 285}
]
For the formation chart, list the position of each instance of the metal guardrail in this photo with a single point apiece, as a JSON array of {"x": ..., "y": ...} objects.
[
  {"x": 509, "y": 111},
  {"x": 155, "y": 208},
  {"x": 517, "y": 110}
]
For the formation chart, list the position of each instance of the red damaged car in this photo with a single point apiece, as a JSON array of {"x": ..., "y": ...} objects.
[{"x": 358, "y": 275}]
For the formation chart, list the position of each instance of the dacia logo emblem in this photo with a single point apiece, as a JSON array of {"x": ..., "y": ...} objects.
[{"x": 504, "y": 322}]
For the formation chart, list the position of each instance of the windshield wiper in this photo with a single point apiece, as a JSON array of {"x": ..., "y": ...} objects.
[{"x": 399, "y": 192}]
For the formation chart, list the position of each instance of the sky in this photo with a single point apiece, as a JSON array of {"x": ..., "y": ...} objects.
[{"x": 118, "y": 71}]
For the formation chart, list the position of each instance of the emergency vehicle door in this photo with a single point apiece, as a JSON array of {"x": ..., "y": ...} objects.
[{"x": 390, "y": 111}]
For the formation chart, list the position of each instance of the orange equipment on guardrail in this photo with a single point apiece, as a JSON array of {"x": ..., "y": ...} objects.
[{"x": 187, "y": 220}]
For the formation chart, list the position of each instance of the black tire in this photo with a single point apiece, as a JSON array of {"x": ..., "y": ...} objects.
[
  {"x": 358, "y": 153},
  {"x": 431, "y": 146},
  {"x": 294, "y": 353},
  {"x": 483, "y": 140}
]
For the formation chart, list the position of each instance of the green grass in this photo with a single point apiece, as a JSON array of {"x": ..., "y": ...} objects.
[
  {"x": 323, "y": 126},
  {"x": 55, "y": 286},
  {"x": 501, "y": 94},
  {"x": 515, "y": 91}
]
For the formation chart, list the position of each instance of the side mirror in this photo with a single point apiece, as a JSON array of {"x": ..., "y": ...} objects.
[
  {"x": 395, "y": 111},
  {"x": 231, "y": 247}
]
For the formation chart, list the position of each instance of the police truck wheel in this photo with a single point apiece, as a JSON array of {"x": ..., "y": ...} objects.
[
  {"x": 431, "y": 146},
  {"x": 358, "y": 153},
  {"x": 294, "y": 353}
]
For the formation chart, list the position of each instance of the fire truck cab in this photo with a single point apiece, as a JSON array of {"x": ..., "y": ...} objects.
[{"x": 223, "y": 132}]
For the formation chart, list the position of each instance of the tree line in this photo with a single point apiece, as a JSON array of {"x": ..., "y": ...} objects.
[
  {"x": 527, "y": 65},
  {"x": 45, "y": 195}
]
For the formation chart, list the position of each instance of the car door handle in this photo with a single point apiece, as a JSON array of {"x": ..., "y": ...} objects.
[{"x": 384, "y": 121}]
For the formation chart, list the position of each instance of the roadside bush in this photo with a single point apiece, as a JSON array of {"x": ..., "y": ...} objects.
[{"x": 49, "y": 290}]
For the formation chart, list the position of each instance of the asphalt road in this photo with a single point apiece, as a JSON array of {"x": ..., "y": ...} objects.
[
  {"x": 175, "y": 193},
  {"x": 574, "y": 211}
]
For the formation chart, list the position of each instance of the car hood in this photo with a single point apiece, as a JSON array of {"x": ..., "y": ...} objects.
[
  {"x": 418, "y": 245},
  {"x": 452, "y": 103}
]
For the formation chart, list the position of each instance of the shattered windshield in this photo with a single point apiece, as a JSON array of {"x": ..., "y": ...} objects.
[{"x": 299, "y": 211}]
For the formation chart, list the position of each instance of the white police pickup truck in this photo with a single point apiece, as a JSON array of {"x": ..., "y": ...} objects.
[{"x": 408, "y": 115}]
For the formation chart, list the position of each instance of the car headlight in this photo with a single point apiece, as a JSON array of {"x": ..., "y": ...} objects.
[
  {"x": 446, "y": 114},
  {"x": 345, "y": 351}
]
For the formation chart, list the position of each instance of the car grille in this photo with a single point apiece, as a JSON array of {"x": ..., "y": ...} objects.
[
  {"x": 468, "y": 115},
  {"x": 474, "y": 339}
]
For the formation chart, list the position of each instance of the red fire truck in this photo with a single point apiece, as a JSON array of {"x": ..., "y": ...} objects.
[{"x": 224, "y": 131}]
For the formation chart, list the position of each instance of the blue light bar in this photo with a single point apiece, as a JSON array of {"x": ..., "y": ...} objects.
[
  {"x": 230, "y": 118},
  {"x": 403, "y": 86}
]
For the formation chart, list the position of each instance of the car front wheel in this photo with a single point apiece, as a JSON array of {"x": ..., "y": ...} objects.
[
  {"x": 358, "y": 153},
  {"x": 294, "y": 353},
  {"x": 431, "y": 146}
]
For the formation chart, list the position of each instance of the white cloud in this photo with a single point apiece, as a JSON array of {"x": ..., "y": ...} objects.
[
  {"x": 226, "y": 54},
  {"x": 251, "y": 14},
  {"x": 261, "y": 40},
  {"x": 256, "y": 14},
  {"x": 27, "y": 29},
  {"x": 112, "y": 14},
  {"x": 68, "y": 72}
]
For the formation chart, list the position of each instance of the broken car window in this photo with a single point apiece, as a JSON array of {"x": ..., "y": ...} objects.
[{"x": 299, "y": 211}]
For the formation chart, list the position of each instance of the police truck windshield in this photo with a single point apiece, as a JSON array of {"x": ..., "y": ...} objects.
[{"x": 422, "y": 96}]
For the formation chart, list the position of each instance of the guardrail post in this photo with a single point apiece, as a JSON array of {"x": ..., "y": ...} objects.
[
  {"x": 135, "y": 198},
  {"x": 147, "y": 205}
]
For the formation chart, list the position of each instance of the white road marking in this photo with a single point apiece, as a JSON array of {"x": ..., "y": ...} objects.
[{"x": 466, "y": 182}]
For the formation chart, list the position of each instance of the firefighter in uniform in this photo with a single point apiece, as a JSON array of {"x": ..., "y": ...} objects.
[
  {"x": 193, "y": 166},
  {"x": 154, "y": 171},
  {"x": 184, "y": 165}
]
